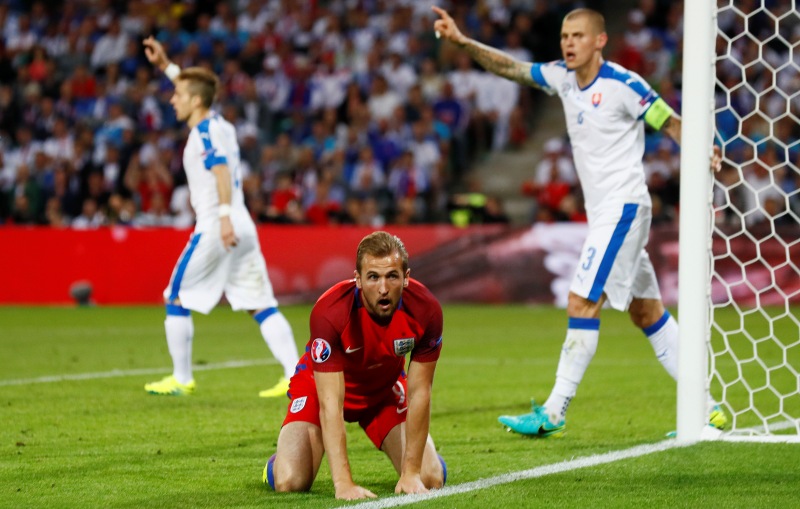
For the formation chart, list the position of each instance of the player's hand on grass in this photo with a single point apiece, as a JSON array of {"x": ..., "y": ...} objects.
[
  {"x": 410, "y": 484},
  {"x": 155, "y": 53},
  {"x": 229, "y": 239},
  {"x": 716, "y": 159},
  {"x": 446, "y": 27},
  {"x": 353, "y": 492}
]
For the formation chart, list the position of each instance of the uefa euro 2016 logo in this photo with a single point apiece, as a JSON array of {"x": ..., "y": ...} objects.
[{"x": 320, "y": 350}]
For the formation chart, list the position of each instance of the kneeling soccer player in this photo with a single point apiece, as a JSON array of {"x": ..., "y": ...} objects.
[{"x": 352, "y": 371}]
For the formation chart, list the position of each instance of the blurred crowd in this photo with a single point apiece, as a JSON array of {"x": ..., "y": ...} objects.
[
  {"x": 346, "y": 111},
  {"x": 757, "y": 108}
]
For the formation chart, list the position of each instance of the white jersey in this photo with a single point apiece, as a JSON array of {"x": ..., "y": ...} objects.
[
  {"x": 212, "y": 142},
  {"x": 606, "y": 128}
]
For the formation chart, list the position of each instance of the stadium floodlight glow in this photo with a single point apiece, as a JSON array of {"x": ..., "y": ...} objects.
[{"x": 740, "y": 228}]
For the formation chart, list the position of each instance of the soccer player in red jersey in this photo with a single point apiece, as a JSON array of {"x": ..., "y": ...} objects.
[{"x": 352, "y": 371}]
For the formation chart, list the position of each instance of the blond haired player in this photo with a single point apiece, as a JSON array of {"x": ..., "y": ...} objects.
[
  {"x": 606, "y": 107},
  {"x": 223, "y": 254}
]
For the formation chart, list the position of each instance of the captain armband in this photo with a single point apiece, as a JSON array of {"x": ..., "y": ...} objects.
[{"x": 658, "y": 113}]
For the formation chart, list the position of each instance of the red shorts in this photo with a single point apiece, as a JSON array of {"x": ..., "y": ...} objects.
[{"x": 376, "y": 421}]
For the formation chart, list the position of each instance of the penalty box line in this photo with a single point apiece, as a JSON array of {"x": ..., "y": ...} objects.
[
  {"x": 117, "y": 373},
  {"x": 555, "y": 468}
]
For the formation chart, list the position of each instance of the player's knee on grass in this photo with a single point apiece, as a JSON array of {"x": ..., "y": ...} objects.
[
  {"x": 435, "y": 477},
  {"x": 288, "y": 478}
]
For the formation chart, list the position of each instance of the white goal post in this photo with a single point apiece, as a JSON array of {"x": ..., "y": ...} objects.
[{"x": 739, "y": 272}]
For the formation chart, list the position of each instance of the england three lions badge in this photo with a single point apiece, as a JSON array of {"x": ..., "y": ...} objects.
[{"x": 403, "y": 345}]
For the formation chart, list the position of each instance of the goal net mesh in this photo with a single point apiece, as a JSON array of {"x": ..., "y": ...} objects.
[{"x": 754, "y": 347}]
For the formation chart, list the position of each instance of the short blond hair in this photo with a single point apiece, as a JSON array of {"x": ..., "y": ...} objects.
[
  {"x": 202, "y": 83},
  {"x": 596, "y": 20}
]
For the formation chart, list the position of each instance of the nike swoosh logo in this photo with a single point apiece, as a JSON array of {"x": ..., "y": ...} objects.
[
  {"x": 401, "y": 410},
  {"x": 351, "y": 350}
]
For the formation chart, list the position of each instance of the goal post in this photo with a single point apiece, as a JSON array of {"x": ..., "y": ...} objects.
[
  {"x": 739, "y": 272},
  {"x": 695, "y": 217}
]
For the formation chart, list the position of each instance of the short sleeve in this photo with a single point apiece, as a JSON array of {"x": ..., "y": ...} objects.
[
  {"x": 213, "y": 151},
  {"x": 325, "y": 347},
  {"x": 428, "y": 349},
  {"x": 549, "y": 76}
]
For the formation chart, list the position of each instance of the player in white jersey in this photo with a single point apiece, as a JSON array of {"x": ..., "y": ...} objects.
[
  {"x": 223, "y": 254},
  {"x": 605, "y": 107}
]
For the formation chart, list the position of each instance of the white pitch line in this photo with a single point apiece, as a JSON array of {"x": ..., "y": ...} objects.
[
  {"x": 555, "y": 468},
  {"x": 117, "y": 373}
]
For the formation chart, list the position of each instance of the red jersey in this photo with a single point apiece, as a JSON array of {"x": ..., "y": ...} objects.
[{"x": 345, "y": 337}]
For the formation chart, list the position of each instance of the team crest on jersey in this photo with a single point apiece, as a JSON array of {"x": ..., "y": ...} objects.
[
  {"x": 596, "y": 98},
  {"x": 565, "y": 87},
  {"x": 320, "y": 350},
  {"x": 298, "y": 404},
  {"x": 403, "y": 345}
]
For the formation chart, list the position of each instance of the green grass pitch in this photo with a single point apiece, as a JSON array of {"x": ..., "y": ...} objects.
[{"x": 103, "y": 442}]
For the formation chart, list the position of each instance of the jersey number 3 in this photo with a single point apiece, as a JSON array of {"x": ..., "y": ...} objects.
[{"x": 589, "y": 258}]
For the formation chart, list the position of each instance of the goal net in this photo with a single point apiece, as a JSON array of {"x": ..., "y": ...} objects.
[{"x": 754, "y": 314}]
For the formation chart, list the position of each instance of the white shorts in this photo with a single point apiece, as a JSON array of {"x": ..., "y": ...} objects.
[
  {"x": 613, "y": 259},
  {"x": 205, "y": 270}
]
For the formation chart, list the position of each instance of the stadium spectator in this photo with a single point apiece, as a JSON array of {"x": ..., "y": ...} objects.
[
  {"x": 608, "y": 147},
  {"x": 111, "y": 47},
  {"x": 354, "y": 327},
  {"x": 91, "y": 216},
  {"x": 340, "y": 49},
  {"x": 223, "y": 255}
]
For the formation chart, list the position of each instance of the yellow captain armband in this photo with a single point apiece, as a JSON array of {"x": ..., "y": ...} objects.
[{"x": 658, "y": 113}]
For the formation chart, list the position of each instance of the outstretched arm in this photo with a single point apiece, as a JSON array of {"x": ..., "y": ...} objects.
[
  {"x": 156, "y": 55},
  {"x": 492, "y": 59}
]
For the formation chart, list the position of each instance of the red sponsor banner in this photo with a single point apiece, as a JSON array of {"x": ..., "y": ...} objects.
[
  {"x": 133, "y": 266},
  {"x": 476, "y": 264}
]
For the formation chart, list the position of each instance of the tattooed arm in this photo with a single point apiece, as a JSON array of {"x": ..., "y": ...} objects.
[{"x": 493, "y": 60}]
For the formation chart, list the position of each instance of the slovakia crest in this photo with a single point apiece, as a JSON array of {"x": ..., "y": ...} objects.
[
  {"x": 402, "y": 346},
  {"x": 596, "y": 98},
  {"x": 320, "y": 350}
]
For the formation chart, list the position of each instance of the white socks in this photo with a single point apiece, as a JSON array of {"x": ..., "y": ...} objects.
[
  {"x": 180, "y": 331},
  {"x": 273, "y": 325},
  {"x": 663, "y": 335},
  {"x": 278, "y": 335},
  {"x": 576, "y": 354}
]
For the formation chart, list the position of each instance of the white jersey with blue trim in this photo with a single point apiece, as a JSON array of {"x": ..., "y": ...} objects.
[
  {"x": 606, "y": 129},
  {"x": 212, "y": 142}
]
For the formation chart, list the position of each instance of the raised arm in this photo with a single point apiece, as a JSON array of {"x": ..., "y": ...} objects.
[
  {"x": 492, "y": 59},
  {"x": 330, "y": 389},
  {"x": 420, "y": 383},
  {"x": 156, "y": 55}
]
